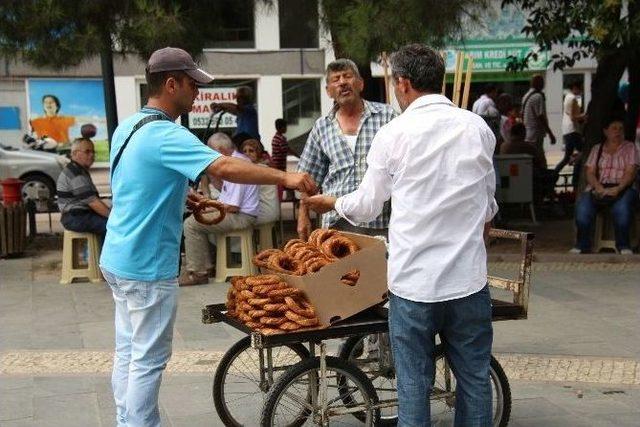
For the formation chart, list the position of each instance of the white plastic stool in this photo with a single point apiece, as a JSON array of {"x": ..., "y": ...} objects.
[
  {"x": 71, "y": 266},
  {"x": 603, "y": 232},
  {"x": 265, "y": 236},
  {"x": 223, "y": 253}
]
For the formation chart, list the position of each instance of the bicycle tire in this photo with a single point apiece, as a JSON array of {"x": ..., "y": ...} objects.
[
  {"x": 220, "y": 377},
  {"x": 311, "y": 364}
]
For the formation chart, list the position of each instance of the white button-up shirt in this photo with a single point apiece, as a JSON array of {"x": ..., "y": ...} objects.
[{"x": 435, "y": 162}]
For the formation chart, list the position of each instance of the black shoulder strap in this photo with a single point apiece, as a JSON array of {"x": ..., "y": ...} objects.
[
  {"x": 598, "y": 161},
  {"x": 148, "y": 119}
]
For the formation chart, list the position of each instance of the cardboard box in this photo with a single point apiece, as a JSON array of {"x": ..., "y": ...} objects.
[{"x": 335, "y": 301}]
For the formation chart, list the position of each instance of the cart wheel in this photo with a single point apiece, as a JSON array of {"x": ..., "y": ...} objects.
[
  {"x": 290, "y": 402},
  {"x": 444, "y": 389},
  {"x": 443, "y": 393},
  {"x": 383, "y": 378},
  {"x": 238, "y": 392}
]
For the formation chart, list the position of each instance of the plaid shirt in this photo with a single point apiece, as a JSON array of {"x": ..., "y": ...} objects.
[{"x": 329, "y": 160}]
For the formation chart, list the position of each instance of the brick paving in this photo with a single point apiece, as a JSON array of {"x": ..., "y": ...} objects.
[{"x": 518, "y": 367}]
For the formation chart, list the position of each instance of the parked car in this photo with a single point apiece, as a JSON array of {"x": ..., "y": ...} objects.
[{"x": 38, "y": 169}]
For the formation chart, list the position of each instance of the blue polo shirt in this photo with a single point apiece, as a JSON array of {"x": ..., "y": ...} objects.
[
  {"x": 247, "y": 122},
  {"x": 149, "y": 189}
]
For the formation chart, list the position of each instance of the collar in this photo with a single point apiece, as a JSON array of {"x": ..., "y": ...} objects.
[
  {"x": 430, "y": 99},
  {"x": 152, "y": 110},
  {"x": 77, "y": 165},
  {"x": 369, "y": 109}
]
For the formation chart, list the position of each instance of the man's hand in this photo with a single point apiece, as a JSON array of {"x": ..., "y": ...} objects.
[
  {"x": 552, "y": 139},
  {"x": 299, "y": 181},
  {"x": 321, "y": 203},
  {"x": 193, "y": 199}
]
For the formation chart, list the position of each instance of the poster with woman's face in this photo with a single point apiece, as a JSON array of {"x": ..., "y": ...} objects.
[{"x": 59, "y": 107}]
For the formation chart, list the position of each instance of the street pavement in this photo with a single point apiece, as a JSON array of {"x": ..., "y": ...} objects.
[{"x": 574, "y": 362}]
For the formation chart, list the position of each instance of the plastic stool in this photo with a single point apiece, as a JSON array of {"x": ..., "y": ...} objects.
[
  {"x": 71, "y": 266},
  {"x": 223, "y": 254},
  {"x": 265, "y": 236},
  {"x": 603, "y": 232}
]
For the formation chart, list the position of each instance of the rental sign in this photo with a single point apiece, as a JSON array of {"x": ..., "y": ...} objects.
[{"x": 201, "y": 111}]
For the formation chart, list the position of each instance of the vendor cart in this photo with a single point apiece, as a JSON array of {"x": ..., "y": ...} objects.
[{"x": 289, "y": 380}]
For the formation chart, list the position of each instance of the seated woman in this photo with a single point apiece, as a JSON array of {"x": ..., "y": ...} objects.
[{"x": 610, "y": 171}]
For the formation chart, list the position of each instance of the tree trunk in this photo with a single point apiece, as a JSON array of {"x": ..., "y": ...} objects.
[
  {"x": 633, "y": 107},
  {"x": 108, "y": 83},
  {"x": 604, "y": 96}
]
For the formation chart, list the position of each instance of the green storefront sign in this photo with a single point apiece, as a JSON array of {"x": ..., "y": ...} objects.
[{"x": 492, "y": 56}]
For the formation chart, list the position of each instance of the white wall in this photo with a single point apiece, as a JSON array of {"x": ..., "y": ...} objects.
[
  {"x": 267, "y": 26},
  {"x": 269, "y": 107},
  {"x": 127, "y": 93}
]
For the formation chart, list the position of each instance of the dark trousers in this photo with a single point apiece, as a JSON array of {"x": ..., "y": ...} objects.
[
  {"x": 85, "y": 222},
  {"x": 572, "y": 142}
]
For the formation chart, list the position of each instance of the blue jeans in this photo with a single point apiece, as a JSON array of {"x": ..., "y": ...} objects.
[
  {"x": 621, "y": 211},
  {"x": 85, "y": 222},
  {"x": 145, "y": 313},
  {"x": 464, "y": 326}
]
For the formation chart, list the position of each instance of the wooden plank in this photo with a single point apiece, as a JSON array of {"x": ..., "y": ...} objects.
[
  {"x": 4, "y": 233},
  {"x": 502, "y": 283}
]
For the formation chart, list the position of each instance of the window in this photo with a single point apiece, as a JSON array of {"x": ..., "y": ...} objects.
[
  {"x": 301, "y": 108},
  {"x": 298, "y": 23},
  {"x": 233, "y": 24}
]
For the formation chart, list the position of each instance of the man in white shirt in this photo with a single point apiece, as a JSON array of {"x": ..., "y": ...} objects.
[
  {"x": 534, "y": 114},
  {"x": 435, "y": 163},
  {"x": 572, "y": 117}
]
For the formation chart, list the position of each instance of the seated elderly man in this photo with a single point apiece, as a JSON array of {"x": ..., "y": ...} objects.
[
  {"x": 241, "y": 205},
  {"x": 78, "y": 199}
]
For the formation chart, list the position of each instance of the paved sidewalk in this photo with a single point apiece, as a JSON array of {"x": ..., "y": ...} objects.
[{"x": 574, "y": 362}]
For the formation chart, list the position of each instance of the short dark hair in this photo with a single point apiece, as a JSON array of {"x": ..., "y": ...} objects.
[
  {"x": 575, "y": 84},
  {"x": 239, "y": 138},
  {"x": 281, "y": 124},
  {"x": 611, "y": 119},
  {"x": 155, "y": 81},
  {"x": 490, "y": 87},
  {"x": 421, "y": 65},
  {"x": 518, "y": 131},
  {"x": 342, "y": 64},
  {"x": 55, "y": 99}
]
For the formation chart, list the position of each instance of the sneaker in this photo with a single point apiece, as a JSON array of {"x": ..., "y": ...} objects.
[
  {"x": 626, "y": 252},
  {"x": 189, "y": 278},
  {"x": 575, "y": 251}
]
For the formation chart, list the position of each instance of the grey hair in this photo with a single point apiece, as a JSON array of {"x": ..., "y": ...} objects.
[
  {"x": 421, "y": 65},
  {"x": 75, "y": 145},
  {"x": 221, "y": 140},
  {"x": 246, "y": 92},
  {"x": 342, "y": 64}
]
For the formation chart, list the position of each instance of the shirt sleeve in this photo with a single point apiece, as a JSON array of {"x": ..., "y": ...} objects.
[
  {"x": 186, "y": 154},
  {"x": 313, "y": 161},
  {"x": 366, "y": 203},
  {"x": 591, "y": 160},
  {"x": 490, "y": 178}
]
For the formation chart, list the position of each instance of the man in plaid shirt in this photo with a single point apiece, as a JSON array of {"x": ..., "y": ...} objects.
[{"x": 335, "y": 154}]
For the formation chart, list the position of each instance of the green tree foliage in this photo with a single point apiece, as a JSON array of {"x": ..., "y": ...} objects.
[
  {"x": 607, "y": 30},
  {"x": 62, "y": 33},
  {"x": 363, "y": 29}
]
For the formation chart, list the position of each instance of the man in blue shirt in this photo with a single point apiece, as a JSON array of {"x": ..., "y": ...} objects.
[
  {"x": 149, "y": 182},
  {"x": 244, "y": 110}
]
